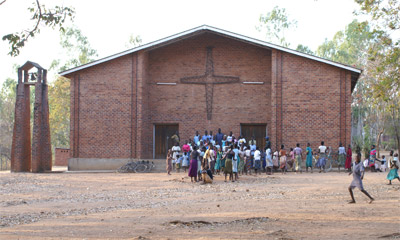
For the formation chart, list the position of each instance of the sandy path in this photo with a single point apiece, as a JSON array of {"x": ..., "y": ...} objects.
[{"x": 157, "y": 206}]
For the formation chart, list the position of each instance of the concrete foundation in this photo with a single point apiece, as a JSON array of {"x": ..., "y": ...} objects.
[{"x": 103, "y": 164}]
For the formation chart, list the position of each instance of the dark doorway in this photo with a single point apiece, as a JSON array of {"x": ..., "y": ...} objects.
[
  {"x": 162, "y": 139},
  {"x": 257, "y": 130}
]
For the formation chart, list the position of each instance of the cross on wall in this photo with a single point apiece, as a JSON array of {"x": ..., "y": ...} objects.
[{"x": 209, "y": 79}]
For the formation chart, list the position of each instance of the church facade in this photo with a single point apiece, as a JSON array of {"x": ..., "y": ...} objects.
[{"x": 128, "y": 105}]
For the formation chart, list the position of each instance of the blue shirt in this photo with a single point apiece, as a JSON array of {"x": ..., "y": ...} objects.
[
  {"x": 219, "y": 137},
  {"x": 196, "y": 139},
  {"x": 204, "y": 138}
]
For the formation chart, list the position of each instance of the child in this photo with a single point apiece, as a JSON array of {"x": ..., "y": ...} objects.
[
  {"x": 169, "y": 161},
  {"x": 393, "y": 165},
  {"x": 358, "y": 175},
  {"x": 282, "y": 153},
  {"x": 342, "y": 156},
  {"x": 235, "y": 161},
  {"x": 178, "y": 162},
  {"x": 218, "y": 162},
  {"x": 202, "y": 151},
  {"x": 248, "y": 160},
  {"x": 290, "y": 161},
  {"x": 175, "y": 154},
  {"x": 257, "y": 161},
  {"x": 383, "y": 164},
  {"x": 241, "y": 160},
  {"x": 185, "y": 161}
]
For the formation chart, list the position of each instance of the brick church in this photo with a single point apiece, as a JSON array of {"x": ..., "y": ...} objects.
[{"x": 128, "y": 105}]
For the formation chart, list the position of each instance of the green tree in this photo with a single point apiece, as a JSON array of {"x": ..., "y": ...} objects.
[
  {"x": 77, "y": 49},
  {"x": 78, "y": 52},
  {"x": 385, "y": 20},
  {"x": 134, "y": 41},
  {"x": 7, "y": 105},
  {"x": 59, "y": 116},
  {"x": 304, "y": 49},
  {"x": 41, "y": 16},
  {"x": 275, "y": 23},
  {"x": 351, "y": 45}
]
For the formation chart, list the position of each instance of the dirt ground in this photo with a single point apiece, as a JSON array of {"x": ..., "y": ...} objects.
[{"x": 158, "y": 206}]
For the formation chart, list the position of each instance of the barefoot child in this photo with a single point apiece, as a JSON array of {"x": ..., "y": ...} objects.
[
  {"x": 169, "y": 162},
  {"x": 358, "y": 175},
  {"x": 185, "y": 161}
]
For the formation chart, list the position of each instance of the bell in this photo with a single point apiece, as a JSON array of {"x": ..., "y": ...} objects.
[{"x": 33, "y": 78}]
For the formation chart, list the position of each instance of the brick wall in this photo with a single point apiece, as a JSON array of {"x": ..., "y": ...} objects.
[
  {"x": 61, "y": 156},
  {"x": 314, "y": 99},
  {"x": 233, "y": 104},
  {"x": 114, "y": 105},
  {"x": 101, "y": 110}
]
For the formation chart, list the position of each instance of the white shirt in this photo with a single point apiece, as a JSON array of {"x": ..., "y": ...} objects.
[
  {"x": 322, "y": 149},
  {"x": 268, "y": 153},
  {"x": 257, "y": 155},
  {"x": 342, "y": 150},
  {"x": 175, "y": 150},
  {"x": 211, "y": 156},
  {"x": 248, "y": 152},
  {"x": 229, "y": 138},
  {"x": 236, "y": 151}
]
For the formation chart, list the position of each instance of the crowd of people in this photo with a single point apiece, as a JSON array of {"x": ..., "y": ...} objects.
[{"x": 204, "y": 156}]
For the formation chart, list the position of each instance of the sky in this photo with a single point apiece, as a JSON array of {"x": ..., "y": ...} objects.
[{"x": 108, "y": 24}]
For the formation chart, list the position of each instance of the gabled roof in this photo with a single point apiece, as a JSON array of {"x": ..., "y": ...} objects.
[
  {"x": 204, "y": 28},
  {"x": 28, "y": 65}
]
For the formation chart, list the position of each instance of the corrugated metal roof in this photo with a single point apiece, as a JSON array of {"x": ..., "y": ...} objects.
[{"x": 198, "y": 30}]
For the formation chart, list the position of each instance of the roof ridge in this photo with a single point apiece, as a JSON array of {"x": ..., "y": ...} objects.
[{"x": 203, "y": 27}]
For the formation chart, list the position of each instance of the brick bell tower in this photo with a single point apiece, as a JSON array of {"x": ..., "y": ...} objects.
[{"x": 32, "y": 156}]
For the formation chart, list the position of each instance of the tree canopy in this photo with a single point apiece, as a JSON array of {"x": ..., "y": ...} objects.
[
  {"x": 41, "y": 16},
  {"x": 274, "y": 24}
]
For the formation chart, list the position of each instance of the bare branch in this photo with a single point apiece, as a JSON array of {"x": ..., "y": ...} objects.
[{"x": 3, "y": 2}]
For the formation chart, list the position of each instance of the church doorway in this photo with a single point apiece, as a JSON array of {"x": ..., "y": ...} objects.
[
  {"x": 162, "y": 139},
  {"x": 259, "y": 131}
]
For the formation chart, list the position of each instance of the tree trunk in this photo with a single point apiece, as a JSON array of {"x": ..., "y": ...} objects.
[
  {"x": 396, "y": 126},
  {"x": 378, "y": 142}
]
